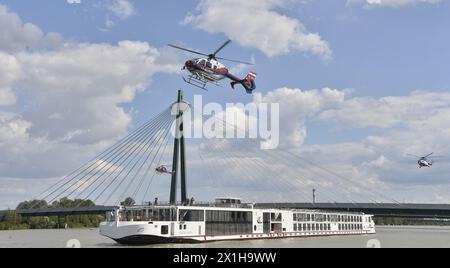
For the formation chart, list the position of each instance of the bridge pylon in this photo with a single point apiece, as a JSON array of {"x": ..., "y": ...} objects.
[{"x": 179, "y": 153}]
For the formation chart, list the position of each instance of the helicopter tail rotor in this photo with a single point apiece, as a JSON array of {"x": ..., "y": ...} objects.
[{"x": 248, "y": 83}]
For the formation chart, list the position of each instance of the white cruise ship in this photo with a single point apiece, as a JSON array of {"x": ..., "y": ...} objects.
[{"x": 227, "y": 219}]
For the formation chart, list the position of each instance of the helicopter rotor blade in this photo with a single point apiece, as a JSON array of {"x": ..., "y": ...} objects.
[
  {"x": 438, "y": 156},
  {"x": 416, "y": 156},
  {"x": 188, "y": 50},
  {"x": 235, "y": 61},
  {"x": 221, "y": 47},
  {"x": 428, "y": 155}
]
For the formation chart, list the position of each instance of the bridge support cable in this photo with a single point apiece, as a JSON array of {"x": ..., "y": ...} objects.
[
  {"x": 106, "y": 164},
  {"x": 83, "y": 180},
  {"x": 261, "y": 164},
  {"x": 261, "y": 170},
  {"x": 256, "y": 174},
  {"x": 139, "y": 164},
  {"x": 284, "y": 156},
  {"x": 93, "y": 162},
  {"x": 259, "y": 173},
  {"x": 242, "y": 164},
  {"x": 146, "y": 193},
  {"x": 128, "y": 159},
  {"x": 143, "y": 171},
  {"x": 340, "y": 176},
  {"x": 344, "y": 186}
]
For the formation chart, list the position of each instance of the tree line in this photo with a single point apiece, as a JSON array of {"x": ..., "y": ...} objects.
[{"x": 13, "y": 221}]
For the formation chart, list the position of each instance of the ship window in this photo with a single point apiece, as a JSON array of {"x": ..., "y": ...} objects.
[
  {"x": 164, "y": 229},
  {"x": 276, "y": 216},
  {"x": 295, "y": 227},
  {"x": 191, "y": 215},
  {"x": 228, "y": 222},
  {"x": 164, "y": 215}
]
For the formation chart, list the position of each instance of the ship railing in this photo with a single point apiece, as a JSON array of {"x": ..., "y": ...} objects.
[{"x": 199, "y": 204}]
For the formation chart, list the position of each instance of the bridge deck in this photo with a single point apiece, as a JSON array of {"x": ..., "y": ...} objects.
[{"x": 381, "y": 210}]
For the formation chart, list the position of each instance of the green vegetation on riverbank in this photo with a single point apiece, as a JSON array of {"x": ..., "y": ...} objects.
[{"x": 12, "y": 221}]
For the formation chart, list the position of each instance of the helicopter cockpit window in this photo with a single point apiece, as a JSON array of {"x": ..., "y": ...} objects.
[
  {"x": 202, "y": 62},
  {"x": 208, "y": 64}
]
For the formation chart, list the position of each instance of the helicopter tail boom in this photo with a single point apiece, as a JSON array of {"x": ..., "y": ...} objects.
[{"x": 248, "y": 82}]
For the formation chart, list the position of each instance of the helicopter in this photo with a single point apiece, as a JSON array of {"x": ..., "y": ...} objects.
[
  {"x": 210, "y": 70},
  {"x": 163, "y": 170},
  {"x": 424, "y": 161}
]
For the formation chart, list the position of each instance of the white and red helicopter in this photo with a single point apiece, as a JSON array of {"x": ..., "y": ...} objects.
[{"x": 210, "y": 70}]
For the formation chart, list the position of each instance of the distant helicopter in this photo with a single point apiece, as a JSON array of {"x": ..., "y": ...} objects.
[
  {"x": 424, "y": 161},
  {"x": 210, "y": 70},
  {"x": 163, "y": 170}
]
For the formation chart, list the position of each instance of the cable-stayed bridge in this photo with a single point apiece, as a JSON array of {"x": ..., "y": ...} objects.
[{"x": 129, "y": 168}]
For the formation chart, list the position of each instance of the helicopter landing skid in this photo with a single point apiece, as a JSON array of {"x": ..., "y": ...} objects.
[
  {"x": 199, "y": 82},
  {"x": 196, "y": 81}
]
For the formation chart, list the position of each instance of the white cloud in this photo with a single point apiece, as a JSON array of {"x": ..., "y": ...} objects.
[
  {"x": 296, "y": 106},
  {"x": 78, "y": 88},
  {"x": 17, "y": 35},
  {"x": 10, "y": 71},
  {"x": 387, "y": 112},
  {"x": 75, "y": 95},
  {"x": 257, "y": 24},
  {"x": 393, "y": 3},
  {"x": 122, "y": 8}
]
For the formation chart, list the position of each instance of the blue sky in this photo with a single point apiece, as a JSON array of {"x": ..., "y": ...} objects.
[
  {"x": 386, "y": 61},
  {"x": 376, "y": 51}
]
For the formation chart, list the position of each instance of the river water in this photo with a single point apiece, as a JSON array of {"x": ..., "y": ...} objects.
[{"x": 386, "y": 237}]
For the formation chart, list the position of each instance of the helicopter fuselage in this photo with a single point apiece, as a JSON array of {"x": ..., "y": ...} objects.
[
  {"x": 424, "y": 163},
  {"x": 210, "y": 70}
]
